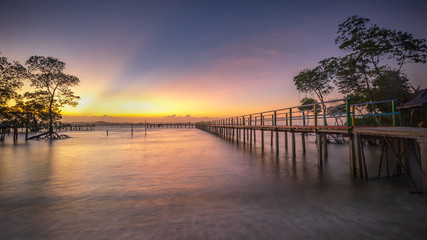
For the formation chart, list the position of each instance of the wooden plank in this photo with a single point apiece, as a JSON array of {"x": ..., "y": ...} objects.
[{"x": 403, "y": 132}]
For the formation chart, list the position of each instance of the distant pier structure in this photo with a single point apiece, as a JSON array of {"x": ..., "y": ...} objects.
[
  {"x": 78, "y": 127},
  {"x": 403, "y": 149},
  {"x": 102, "y": 125},
  {"x": 170, "y": 125}
]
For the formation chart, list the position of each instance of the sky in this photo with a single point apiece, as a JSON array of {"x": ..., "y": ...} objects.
[{"x": 191, "y": 60}]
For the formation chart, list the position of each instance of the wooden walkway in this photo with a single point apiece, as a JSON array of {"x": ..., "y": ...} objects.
[
  {"x": 405, "y": 147},
  {"x": 170, "y": 125}
]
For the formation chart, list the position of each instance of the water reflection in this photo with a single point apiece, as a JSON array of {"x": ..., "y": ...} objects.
[{"x": 189, "y": 184}]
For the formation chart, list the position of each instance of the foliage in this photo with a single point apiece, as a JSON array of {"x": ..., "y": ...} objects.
[
  {"x": 371, "y": 71},
  {"x": 53, "y": 85},
  {"x": 11, "y": 75},
  {"x": 307, "y": 101},
  {"x": 38, "y": 109},
  {"x": 317, "y": 81},
  {"x": 375, "y": 59},
  {"x": 399, "y": 82}
]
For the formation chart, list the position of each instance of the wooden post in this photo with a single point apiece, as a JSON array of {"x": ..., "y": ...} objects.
[
  {"x": 250, "y": 129},
  {"x": 262, "y": 139},
  {"x": 271, "y": 134},
  {"x": 319, "y": 150},
  {"x": 352, "y": 156},
  {"x": 286, "y": 140},
  {"x": 247, "y": 134},
  {"x": 315, "y": 118},
  {"x": 393, "y": 110},
  {"x": 303, "y": 142},
  {"x": 244, "y": 134},
  {"x": 325, "y": 146},
  {"x": 293, "y": 146},
  {"x": 347, "y": 109},
  {"x": 131, "y": 130},
  {"x": 26, "y": 133},
  {"x": 255, "y": 131},
  {"x": 262, "y": 132},
  {"x": 275, "y": 118},
  {"x": 325, "y": 123},
  {"x": 292, "y": 134},
  {"x": 271, "y": 138},
  {"x": 302, "y": 134},
  {"x": 286, "y": 134},
  {"x": 422, "y": 143},
  {"x": 286, "y": 118},
  {"x": 353, "y": 117},
  {"x": 277, "y": 132},
  {"x": 254, "y": 136},
  {"x": 15, "y": 134},
  {"x": 358, "y": 155},
  {"x": 303, "y": 118}
]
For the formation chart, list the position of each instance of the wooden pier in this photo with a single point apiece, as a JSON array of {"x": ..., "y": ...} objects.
[
  {"x": 93, "y": 126},
  {"x": 337, "y": 119},
  {"x": 170, "y": 125},
  {"x": 406, "y": 147}
]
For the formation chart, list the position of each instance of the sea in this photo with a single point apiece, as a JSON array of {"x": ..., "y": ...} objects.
[{"x": 186, "y": 183}]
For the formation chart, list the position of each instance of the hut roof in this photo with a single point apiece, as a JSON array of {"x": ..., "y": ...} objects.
[{"x": 418, "y": 100}]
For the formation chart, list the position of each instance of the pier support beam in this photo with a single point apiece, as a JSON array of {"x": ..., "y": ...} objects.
[
  {"x": 422, "y": 142},
  {"x": 254, "y": 136},
  {"x": 247, "y": 134},
  {"x": 325, "y": 146},
  {"x": 358, "y": 155},
  {"x": 319, "y": 149},
  {"x": 262, "y": 139},
  {"x": 303, "y": 142},
  {"x": 294, "y": 154},
  {"x": 271, "y": 141},
  {"x": 286, "y": 141},
  {"x": 352, "y": 156}
]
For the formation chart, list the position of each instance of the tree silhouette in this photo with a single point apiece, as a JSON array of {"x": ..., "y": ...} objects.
[
  {"x": 374, "y": 52},
  {"x": 53, "y": 86},
  {"x": 11, "y": 75}
]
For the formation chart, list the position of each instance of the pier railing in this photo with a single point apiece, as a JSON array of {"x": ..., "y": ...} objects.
[{"x": 334, "y": 114}]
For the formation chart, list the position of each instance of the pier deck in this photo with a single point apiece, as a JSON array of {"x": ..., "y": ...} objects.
[{"x": 405, "y": 147}]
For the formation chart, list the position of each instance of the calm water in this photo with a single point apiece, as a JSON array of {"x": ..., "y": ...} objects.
[{"x": 189, "y": 184}]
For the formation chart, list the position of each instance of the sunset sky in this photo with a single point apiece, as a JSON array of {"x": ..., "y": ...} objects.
[{"x": 166, "y": 60}]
